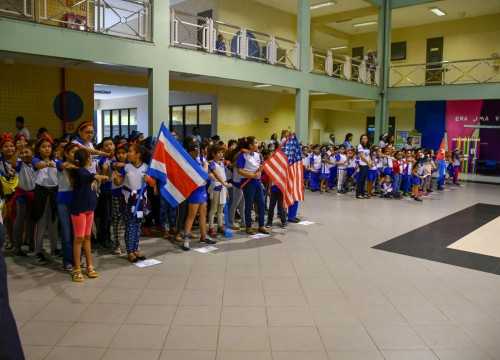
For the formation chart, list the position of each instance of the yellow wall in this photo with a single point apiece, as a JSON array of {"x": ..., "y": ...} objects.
[
  {"x": 29, "y": 91},
  {"x": 469, "y": 38}
]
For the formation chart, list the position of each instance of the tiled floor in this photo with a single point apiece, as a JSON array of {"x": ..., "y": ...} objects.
[{"x": 311, "y": 292}]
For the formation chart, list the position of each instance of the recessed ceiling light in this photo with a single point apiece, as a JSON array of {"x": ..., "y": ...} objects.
[
  {"x": 261, "y": 85},
  {"x": 339, "y": 47},
  {"x": 366, "y": 23},
  {"x": 323, "y": 4},
  {"x": 437, "y": 11}
]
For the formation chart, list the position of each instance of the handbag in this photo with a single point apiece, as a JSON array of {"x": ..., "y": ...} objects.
[{"x": 9, "y": 183}]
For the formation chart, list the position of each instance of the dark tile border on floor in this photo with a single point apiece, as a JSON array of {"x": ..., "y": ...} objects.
[{"x": 430, "y": 241}]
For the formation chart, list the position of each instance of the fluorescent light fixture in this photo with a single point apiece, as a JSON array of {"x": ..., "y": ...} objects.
[
  {"x": 261, "y": 85},
  {"x": 339, "y": 47},
  {"x": 317, "y": 93},
  {"x": 437, "y": 11},
  {"x": 366, "y": 23},
  {"x": 322, "y": 5}
]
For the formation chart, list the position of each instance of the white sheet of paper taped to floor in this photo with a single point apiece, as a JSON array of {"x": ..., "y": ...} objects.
[
  {"x": 206, "y": 249},
  {"x": 146, "y": 263},
  {"x": 258, "y": 236},
  {"x": 306, "y": 222}
]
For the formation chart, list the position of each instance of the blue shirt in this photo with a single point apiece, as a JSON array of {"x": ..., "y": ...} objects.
[{"x": 84, "y": 193}]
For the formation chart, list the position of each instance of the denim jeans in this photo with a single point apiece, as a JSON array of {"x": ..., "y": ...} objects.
[
  {"x": 253, "y": 191},
  {"x": 360, "y": 185},
  {"x": 64, "y": 214},
  {"x": 397, "y": 183},
  {"x": 168, "y": 214}
]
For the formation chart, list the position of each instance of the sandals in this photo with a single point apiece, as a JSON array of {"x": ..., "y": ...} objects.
[
  {"x": 91, "y": 273},
  {"x": 77, "y": 275},
  {"x": 263, "y": 230}
]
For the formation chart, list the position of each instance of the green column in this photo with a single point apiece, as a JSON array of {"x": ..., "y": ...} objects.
[
  {"x": 302, "y": 93},
  {"x": 383, "y": 56},
  {"x": 158, "y": 76}
]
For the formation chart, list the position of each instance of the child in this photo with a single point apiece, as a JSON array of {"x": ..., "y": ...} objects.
[
  {"x": 457, "y": 165},
  {"x": 116, "y": 195},
  {"x": 196, "y": 205},
  {"x": 104, "y": 203},
  {"x": 407, "y": 170},
  {"x": 386, "y": 188},
  {"x": 371, "y": 177},
  {"x": 341, "y": 162},
  {"x": 82, "y": 212},
  {"x": 326, "y": 164},
  {"x": 217, "y": 190},
  {"x": 276, "y": 196},
  {"x": 397, "y": 171},
  {"x": 133, "y": 180},
  {"x": 45, "y": 198},
  {"x": 24, "y": 201},
  {"x": 387, "y": 161},
  {"x": 351, "y": 168},
  {"x": 417, "y": 176},
  {"x": 64, "y": 201},
  {"x": 315, "y": 163}
]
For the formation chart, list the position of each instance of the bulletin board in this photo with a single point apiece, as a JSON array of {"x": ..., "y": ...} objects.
[{"x": 402, "y": 136}]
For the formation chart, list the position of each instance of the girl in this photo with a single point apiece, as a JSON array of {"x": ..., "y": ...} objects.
[
  {"x": 249, "y": 167},
  {"x": 238, "y": 202},
  {"x": 104, "y": 204},
  {"x": 348, "y": 141},
  {"x": 84, "y": 137},
  {"x": 116, "y": 195},
  {"x": 24, "y": 201},
  {"x": 82, "y": 212},
  {"x": 351, "y": 168},
  {"x": 8, "y": 164},
  {"x": 196, "y": 204},
  {"x": 386, "y": 187},
  {"x": 20, "y": 141},
  {"x": 364, "y": 160},
  {"x": 217, "y": 190},
  {"x": 45, "y": 198},
  {"x": 133, "y": 180},
  {"x": 372, "y": 174},
  {"x": 315, "y": 164},
  {"x": 417, "y": 176},
  {"x": 64, "y": 201},
  {"x": 326, "y": 164}
]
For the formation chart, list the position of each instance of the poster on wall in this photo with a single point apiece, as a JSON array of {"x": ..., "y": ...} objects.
[{"x": 402, "y": 137}]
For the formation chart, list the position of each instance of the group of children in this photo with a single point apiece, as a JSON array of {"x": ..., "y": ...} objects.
[{"x": 71, "y": 186}]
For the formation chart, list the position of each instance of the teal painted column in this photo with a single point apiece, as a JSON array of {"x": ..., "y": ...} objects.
[
  {"x": 302, "y": 93},
  {"x": 158, "y": 76},
  {"x": 384, "y": 58}
]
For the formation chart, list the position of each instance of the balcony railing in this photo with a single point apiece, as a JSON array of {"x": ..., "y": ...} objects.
[
  {"x": 123, "y": 18},
  {"x": 205, "y": 34},
  {"x": 476, "y": 71},
  {"x": 324, "y": 62}
]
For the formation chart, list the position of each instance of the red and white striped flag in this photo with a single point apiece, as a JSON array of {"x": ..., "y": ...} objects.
[{"x": 286, "y": 170}]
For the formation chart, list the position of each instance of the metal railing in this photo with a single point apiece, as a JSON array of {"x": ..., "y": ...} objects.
[
  {"x": 123, "y": 18},
  {"x": 324, "y": 62},
  {"x": 205, "y": 34},
  {"x": 475, "y": 71}
]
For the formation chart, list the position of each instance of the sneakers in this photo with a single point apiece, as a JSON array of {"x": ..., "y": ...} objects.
[
  {"x": 234, "y": 226},
  {"x": 284, "y": 225},
  {"x": 416, "y": 198},
  {"x": 185, "y": 245},
  {"x": 212, "y": 232},
  {"x": 56, "y": 253},
  {"x": 40, "y": 259},
  {"x": 207, "y": 240},
  {"x": 221, "y": 230},
  {"x": 117, "y": 250},
  {"x": 269, "y": 224},
  {"x": 20, "y": 253}
]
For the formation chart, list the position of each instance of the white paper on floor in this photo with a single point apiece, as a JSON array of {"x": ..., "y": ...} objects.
[
  {"x": 258, "y": 236},
  {"x": 146, "y": 263},
  {"x": 206, "y": 249},
  {"x": 305, "y": 222}
]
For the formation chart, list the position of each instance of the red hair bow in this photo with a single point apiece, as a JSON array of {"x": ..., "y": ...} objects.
[{"x": 5, "y": 137}]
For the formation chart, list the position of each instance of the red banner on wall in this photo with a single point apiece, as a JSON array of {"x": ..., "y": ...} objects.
[{"x": 460, "y": 113}]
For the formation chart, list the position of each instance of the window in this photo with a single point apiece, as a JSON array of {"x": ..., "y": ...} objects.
[
  {"x": 119, "y": 122},
  {"x": 183, "y": 118}
]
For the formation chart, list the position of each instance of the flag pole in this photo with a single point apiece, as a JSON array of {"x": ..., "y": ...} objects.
[
  {"x": 279, "y": 147},
  {"x": 143, "y": 183}
]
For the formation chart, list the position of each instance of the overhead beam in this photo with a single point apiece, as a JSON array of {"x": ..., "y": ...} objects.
[
  {"x": 404, "y": 3},
  {"x": 332, "y": 32},
  {"x": 346, "y": 15}
]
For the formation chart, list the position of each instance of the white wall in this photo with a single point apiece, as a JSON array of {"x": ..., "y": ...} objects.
[{"x": 139, "y": 102}]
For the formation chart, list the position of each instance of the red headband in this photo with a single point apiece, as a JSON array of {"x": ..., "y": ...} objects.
[
  {"x": 71, "y": 146},
  {"x": 5, "y": 137},
  {"x": 82, "y": 125},
  {"x": 120, "y": 145},
  {"x": 45, "y": 137}
]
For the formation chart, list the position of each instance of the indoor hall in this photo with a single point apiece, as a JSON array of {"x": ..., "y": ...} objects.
[{"x": 369, "y": 279}]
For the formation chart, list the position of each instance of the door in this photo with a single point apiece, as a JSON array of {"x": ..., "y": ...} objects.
[
  {"x": 434, "y": 72},
  {"x": 357, "y": 56},
  {"x": 370, "y": 128}
]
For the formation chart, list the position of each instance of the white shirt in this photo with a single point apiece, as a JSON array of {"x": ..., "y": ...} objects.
[
  {"x": 46, "y": 177},
  {"x": 366, "y": 153},
  {"x": 133, "y": 176}
]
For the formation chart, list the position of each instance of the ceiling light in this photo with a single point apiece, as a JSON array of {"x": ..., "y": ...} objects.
[
  {"x": 261, "y": 85},
  {"x": 323, "y": 4},
  {"x": 339, "y": 47},
  {"x": 437, "y": 11},
  {"x": 317, "y": 93},
  {"x": 366, "y": 23}
]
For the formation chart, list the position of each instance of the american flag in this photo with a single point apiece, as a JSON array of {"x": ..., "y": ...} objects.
[
  {"x": 285, "y": 169},
  {"x": 179, "y": 173}
]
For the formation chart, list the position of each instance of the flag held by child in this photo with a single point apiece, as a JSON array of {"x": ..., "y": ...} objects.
[
  {"x": 178, "y": 172},
  {"x": 285, "y": 169}
]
